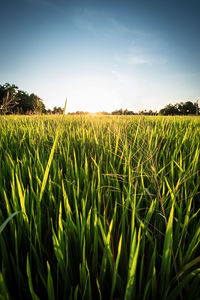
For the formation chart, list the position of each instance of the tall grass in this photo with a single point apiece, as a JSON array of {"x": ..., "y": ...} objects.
[{"x": 109, "y": 208}]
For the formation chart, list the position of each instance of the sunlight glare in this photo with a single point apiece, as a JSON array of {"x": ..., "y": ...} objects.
[{"x": 93, "y": 95}]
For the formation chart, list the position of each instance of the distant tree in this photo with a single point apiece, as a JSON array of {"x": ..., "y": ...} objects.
[
  {"x": 80, "y": 112},
  {"x": 24, "y": 104},
  {"x": 169, "y": 110},
  {"x": 57, "y": 110},
  {"x": 187, "y": 108},
  {"x": 104, "y": 113},
  {"x": 117, "y": 112},
  {"x": 8, "y": 98},
  {"x": 7, "y": 104},
  {"x": 197, "y": 108},
  {"x": 38, "y": 106},
  {"x": 128, "y": 112},
  {"x": 148, "y": 112},
  {"x": 13, "y": 100},
  {"x": 48, "y": 111},
  {"x": 7, "y": 87}
]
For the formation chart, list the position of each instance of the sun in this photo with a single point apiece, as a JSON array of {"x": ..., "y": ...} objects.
[{"x": 93, "y": 94}]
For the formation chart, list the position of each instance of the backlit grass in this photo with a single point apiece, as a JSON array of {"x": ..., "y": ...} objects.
[{"x": 106, "y": 208}]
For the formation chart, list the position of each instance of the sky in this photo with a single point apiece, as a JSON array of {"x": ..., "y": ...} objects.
[{"x": 102, "y": 55}]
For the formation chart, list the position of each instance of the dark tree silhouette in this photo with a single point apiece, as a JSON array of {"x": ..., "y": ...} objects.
[
  {"x": 57, "y": 110},
  {"x": 8, "y": 98},
  {"x": 182, "y": 108},
  {"x": 13, "y": 100}
]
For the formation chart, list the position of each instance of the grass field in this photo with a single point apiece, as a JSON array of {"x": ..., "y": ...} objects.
[{"x": 99, "y": 207}]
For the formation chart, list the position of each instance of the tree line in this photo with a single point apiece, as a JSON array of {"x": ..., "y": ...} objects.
[
  {"x": 182, "y": 108},
  {"x": 15, "y": 101}
]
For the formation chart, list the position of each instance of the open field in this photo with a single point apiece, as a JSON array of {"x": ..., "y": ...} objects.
[{"x": 108, "y": 207}]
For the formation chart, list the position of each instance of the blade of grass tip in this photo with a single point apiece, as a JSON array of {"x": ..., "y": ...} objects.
[
  {"x": 22, "y": 198},
  {"x": 76, "y": 292},
  {"x": 7, "y": 220},
  {"x": 51, "y": 295},
  {"x": 3, "y": 289},
  {"x": 46, "y": 173},
  {"x": 65, "y": 107}
]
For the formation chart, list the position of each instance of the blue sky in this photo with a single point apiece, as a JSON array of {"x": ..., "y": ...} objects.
[{"x": 102, "y": 55}]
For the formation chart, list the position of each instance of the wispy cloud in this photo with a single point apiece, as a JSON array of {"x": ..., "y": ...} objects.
[
  {"x": 99, "y": 22},
  {"x": 133, "y": 46},
  {"x": 138, "y": 60},
  {"x": 133, "y": 59}
]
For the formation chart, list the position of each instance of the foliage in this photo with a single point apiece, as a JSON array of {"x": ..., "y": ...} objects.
[
  {"x": 187, "y": 108},
  {"x": 57, "y": 110},
  {"x": 110, "y": 207},
  {"x": 13, "y": 100},
  {"x": 79, "y": 112},
  {"x": 8, "y": 98}
]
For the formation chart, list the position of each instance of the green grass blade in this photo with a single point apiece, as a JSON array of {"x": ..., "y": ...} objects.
[
  {"x": 50, "y": 287},
  {"x": 116, "y": 267},
  {"x": 28, "y": 270},
  {"x": 48, "y": 166},
  {"x": 133, "y": 259},
  {"x": 8, "y": 220}
]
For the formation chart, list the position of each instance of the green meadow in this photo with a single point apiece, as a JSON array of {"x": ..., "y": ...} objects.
[{"x": 99, "y": 207}]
